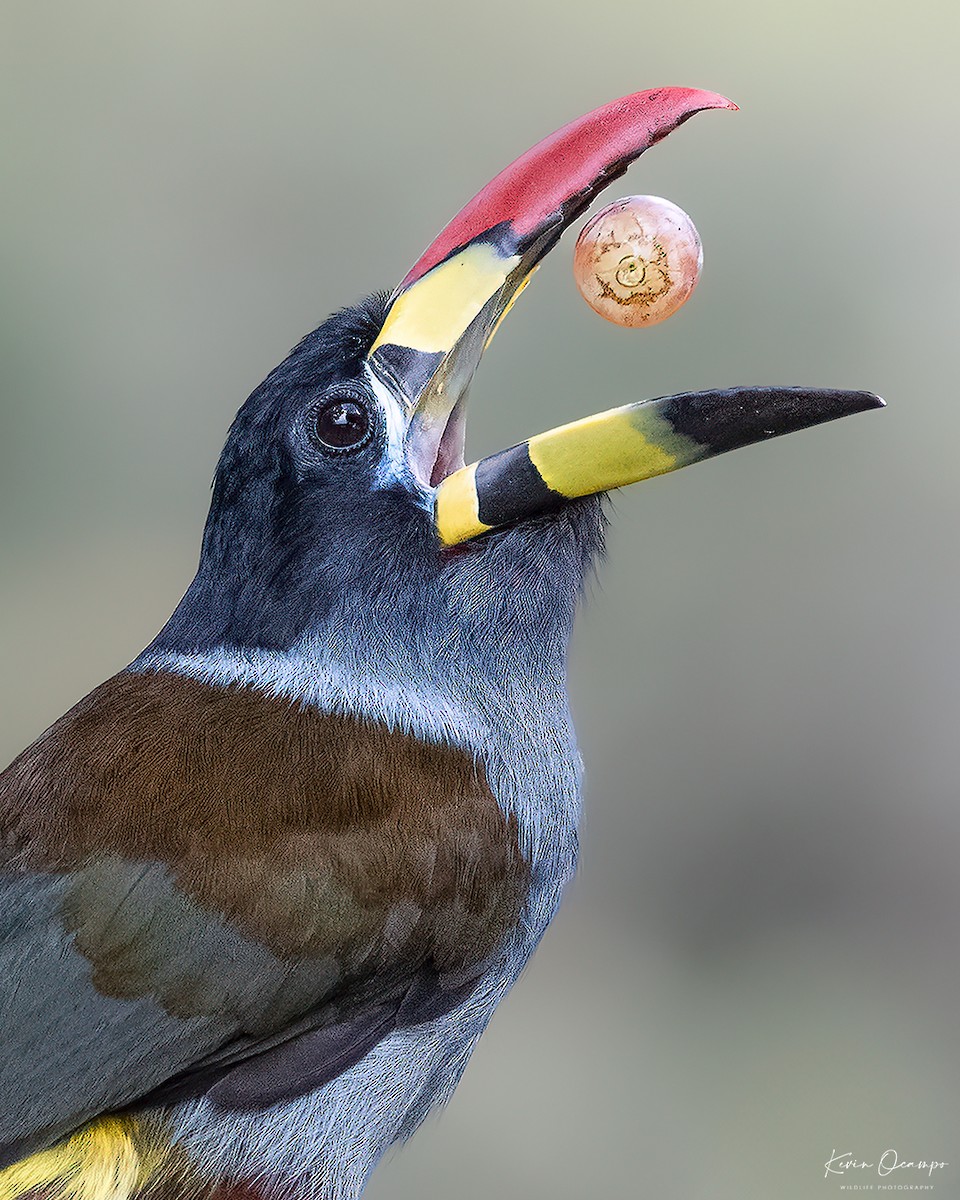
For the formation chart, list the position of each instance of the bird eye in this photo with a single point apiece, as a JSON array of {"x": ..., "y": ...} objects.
[{"x": 342, "y": 424}]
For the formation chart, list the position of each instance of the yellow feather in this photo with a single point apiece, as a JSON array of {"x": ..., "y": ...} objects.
[{"x": 110, "y": 1159}]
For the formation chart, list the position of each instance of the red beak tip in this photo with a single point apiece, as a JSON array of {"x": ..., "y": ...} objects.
[{"x": 716, "y": 100}]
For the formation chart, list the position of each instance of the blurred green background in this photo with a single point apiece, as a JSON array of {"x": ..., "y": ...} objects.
[{"x": 759, "y": 961}]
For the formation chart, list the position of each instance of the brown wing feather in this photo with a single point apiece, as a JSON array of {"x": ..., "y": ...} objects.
[{"x": 236, "y": 861}]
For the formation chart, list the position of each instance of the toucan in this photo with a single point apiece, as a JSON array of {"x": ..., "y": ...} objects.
[{"x": 261, "y": 891}]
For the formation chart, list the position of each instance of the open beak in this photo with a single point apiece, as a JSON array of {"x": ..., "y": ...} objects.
[{"x": 445, "y": 312}]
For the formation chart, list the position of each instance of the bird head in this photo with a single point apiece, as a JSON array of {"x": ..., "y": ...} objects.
[{"x": 342, "y": 500}]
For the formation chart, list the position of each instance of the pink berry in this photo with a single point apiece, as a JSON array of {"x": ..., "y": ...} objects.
[{"x": 638, "y": 260}]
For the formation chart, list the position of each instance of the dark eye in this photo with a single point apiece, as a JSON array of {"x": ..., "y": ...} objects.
[{"x": 342, "y": 424}]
